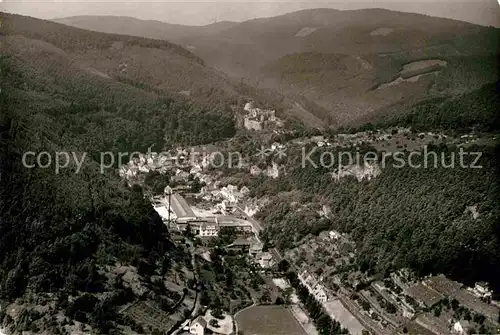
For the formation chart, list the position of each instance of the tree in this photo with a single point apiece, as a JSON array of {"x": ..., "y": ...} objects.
[
  {"x": 266, "y": 297},
  {"x": 217, "y": 313},
  {"x": 287, "y": 293},
  {"x": 188, "y": 233},
  {"x": 204, "y": 298},
  {"x": 214, "y": 323},
  {"x": 467, "y": 315},
  {"x": 283, "y": 266},
  {"x": 478, "y": 318},
  {"x": 279, "y": 301}
]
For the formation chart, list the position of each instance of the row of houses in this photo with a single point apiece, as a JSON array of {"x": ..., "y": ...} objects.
[
  {"x": 431, "y": 290},
  {"x": 401, "y": 304},
  {"x": 211, "y": 226},
  {"x": 314, "y": 286}
]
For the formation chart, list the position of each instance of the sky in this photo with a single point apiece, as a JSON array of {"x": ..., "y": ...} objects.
[{"x": 190, "y": 12}]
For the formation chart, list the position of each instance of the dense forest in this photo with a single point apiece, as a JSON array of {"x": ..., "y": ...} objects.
[
  {"x": 405, "y": 217},
  {"x": 63, "y": 233},
  {"x": 60, "y": 232},
  {"x": 472, "y": 111}
]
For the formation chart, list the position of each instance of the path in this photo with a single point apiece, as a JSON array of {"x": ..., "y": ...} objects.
[{"x": 197, "y": 304}]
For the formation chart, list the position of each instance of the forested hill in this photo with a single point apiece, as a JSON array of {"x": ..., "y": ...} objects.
[
  {"x": 472, "y": 111},
  {"x": 130, "y": 84},
  {"x": 414, "y": 217},
  {"x": 69, "y": 38},
  {"x": 350, "y": 63},
  {"x": 62, "y": 234},
  {"x": 152, "y": 65},
  {"x": 405, "y": 217}
]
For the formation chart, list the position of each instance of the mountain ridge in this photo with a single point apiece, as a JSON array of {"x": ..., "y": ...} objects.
[
  {"x": 379, "y": 42},
  {"x": 293, "y": 13}
]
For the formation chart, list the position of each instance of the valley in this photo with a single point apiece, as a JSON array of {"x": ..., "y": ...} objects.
[
  {"x": 318, "y": 172},
  {"x": 326, "y": 262}
]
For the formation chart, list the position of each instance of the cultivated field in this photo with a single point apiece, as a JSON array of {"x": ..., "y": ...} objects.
[
  {"x": 149, "y": 316},
  {"x": 268, "y": 320}
]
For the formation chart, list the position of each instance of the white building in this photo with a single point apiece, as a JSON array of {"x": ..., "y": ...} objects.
[
  {"x": 314, "y": 287},
  {"x": 308, "y": 280},
  {"x": 229, "y": 193},
  {"x": 197, "y": 327},
  {"x": 408, "y": 311},
  {"x": 252, "y": 124},
  {"x": 227, "y": 206},
  {"x": 208, "y": 229},
  {"x": 460, "y": 327},
  {"x": 249, "y": 106},
  {"x": 264, "y": 259},
  {"x": 482, "y": 290},
  {"x": 334, "y": 235},
  {"x": 256, "y": 248},
  {"x": 255, "y": 170},
  {"x": 277, "y": 146},
  {"x": 319, "y": 293},
  {"x": 245, "y": 190}
]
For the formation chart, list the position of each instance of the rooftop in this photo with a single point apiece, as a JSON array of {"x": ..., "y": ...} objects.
[
  {"x": 257, "y": 246},
  {"x": 180, "y": 206},
  {"x": 209, "y": 225},
  {"x": 241, "y": 242},
  {"x": 200, "y": 320},
  {"x": 424, "y": 294},
  {"x": 196, "y": 220},
  {"x": 442, "y": 284},
  {"x": 265, "y": 256},
  {"x": 434, "y": 324},
  {"x": 470, "y": 301}
]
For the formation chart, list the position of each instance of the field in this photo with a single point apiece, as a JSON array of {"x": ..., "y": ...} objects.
[
  {"x": 149, "y": 316},
  {"x": 336, "y": 310},
  {"x": 415, "y": 328},
  {"x": 268, "y": 320}
]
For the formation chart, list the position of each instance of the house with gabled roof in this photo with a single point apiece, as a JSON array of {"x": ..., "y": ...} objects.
[{"x": 198, "y": 326}]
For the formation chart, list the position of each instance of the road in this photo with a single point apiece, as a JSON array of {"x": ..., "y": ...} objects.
[
  {"x": 256, "y": 225},
  {"x": 197, "y": 304},
  {"x": 350, "y": 306}
]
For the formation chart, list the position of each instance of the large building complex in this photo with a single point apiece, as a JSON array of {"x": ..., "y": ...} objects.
[{"x": 182, "y": 217}]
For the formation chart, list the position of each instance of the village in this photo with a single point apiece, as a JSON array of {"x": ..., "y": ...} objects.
[
  {"x": 250, "y": 167},
  {"x": 399, "y": 304},
  {"x": 199, "y": 209}
]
